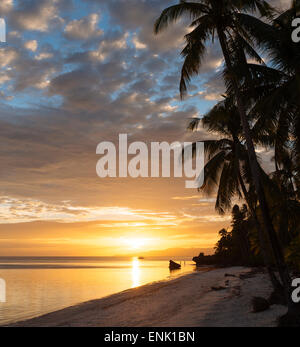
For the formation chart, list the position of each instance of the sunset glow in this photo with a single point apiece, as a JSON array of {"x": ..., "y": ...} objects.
[
  {"x": 69, "y": 74},
  {"x": 136, "y": 243}
]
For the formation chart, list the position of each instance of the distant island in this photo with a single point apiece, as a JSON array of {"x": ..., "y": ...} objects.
[{"x": 174, "y": 253}]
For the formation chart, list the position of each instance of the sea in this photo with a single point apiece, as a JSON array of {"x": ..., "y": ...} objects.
[{"x": 33, "y": 286}]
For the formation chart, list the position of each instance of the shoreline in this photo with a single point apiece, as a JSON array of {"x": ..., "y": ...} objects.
[{"x": 186, "y": 301}]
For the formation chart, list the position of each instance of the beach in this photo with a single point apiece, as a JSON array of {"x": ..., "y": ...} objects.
[
  {"x": 37, "y": 286},
  {"x": 186, "y": 301}
]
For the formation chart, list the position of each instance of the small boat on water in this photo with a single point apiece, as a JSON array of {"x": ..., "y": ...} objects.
[
  {"x": 141, "y": 258},
  {"x": 174, "y": 266}
]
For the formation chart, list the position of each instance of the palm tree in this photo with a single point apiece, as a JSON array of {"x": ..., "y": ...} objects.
[
  {"x": 227, "y": 168},
  {"x": 234, "y": 245},
  {"x": 279, "y": 103},
  {"x": 239, "y": 229},
  {"x": 212, "y": 18}
]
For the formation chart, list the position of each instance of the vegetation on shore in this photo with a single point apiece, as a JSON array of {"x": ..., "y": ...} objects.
[
  {"x": 260, "y": 109},
  {"x": 240, "y": 245}
]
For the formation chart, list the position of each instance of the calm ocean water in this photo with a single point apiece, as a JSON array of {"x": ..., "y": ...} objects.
[{"x": 36, "y": 286}]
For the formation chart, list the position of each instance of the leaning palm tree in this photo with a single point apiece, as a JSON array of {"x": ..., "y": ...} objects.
[
  {"x": 227, "y": 168},
  {"x": 219, "y": 18}
]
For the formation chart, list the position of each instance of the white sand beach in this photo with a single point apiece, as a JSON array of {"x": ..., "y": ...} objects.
[{"x": 187, "y": 301}]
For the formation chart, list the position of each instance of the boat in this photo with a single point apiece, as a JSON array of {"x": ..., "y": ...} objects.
[{"x": 174, "y": 266}]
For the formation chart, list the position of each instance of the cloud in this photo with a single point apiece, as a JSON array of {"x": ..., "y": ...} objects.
[
  {"x": 212, "y": 89},
  {"x": 3, "y": 96},
  {"x": 83, "y": 29},
  {"x": 31, "y": 45},
  {"x": 7, "y": 56},
  {"x": 108, "y": 47},
  {"x": 32, "y": 73},
  {"x": 6, "y": 6},
  {"x": 85, "y": 81},
  {"x": 14, "y": 211},
  {"x": 140, "y": 16},
  {"x": 184, "y": 198},
  {"x": 36, "y": 15},
  {"x": 43, "y": 55},
  {"x": 22, "y": 70},
  {"x": 137, "y": 43}
]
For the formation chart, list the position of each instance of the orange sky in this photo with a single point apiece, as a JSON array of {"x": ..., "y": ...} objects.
[
  {"x": 73, "y": 76},
  {"x": 166, "y": 216}
]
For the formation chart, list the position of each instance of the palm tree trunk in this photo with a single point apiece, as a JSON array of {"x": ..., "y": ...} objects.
[
  {"x": 263, "y": 247},
  {"x": 268, "y": 225}
]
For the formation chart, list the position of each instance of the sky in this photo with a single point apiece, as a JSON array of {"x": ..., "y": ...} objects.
[{"x": 74, "y": 73}]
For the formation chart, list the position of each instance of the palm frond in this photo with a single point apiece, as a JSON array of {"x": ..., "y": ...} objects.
[
  {"x": 194, "y": 51},
  {"x": 173, "y": 13}
]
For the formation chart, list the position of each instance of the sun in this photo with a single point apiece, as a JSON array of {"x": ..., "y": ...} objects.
[{"x": 135, "y": 243}]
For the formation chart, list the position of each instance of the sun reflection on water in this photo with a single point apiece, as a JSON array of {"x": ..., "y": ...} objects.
[{"x": 136, "y": 273}]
